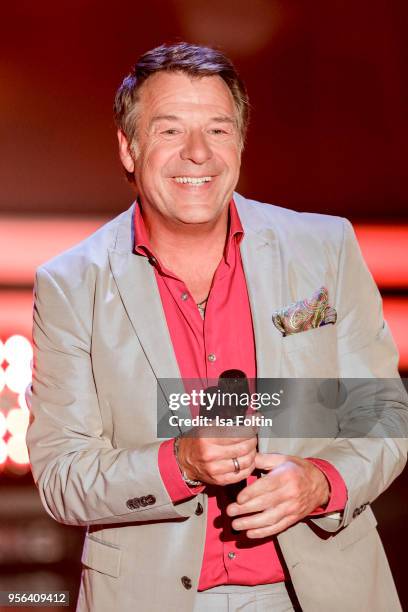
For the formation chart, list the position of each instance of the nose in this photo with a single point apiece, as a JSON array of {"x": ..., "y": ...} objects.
[{"x": 196, "y": 148}]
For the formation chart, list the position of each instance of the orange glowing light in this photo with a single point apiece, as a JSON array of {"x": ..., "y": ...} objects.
[
  {"x": 16, "y": 312},
  {"x": 385, "y": 249},
  {"x": 17, "y": 449},
  {"x": 17, "y": 349},
  {"x": 27, "y": 242},
  {"x": 3, "y": 425},
  {"x": 2, "y": 379},
  {"x": 3, "y": 452},
  {"x": 18, "y": 377},
  {"x": 17, "y": 421}
]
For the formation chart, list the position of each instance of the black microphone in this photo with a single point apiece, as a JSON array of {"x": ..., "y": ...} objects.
[{"x": 234, "y": 382}]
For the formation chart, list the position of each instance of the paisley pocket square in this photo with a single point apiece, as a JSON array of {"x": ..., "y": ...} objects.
[{"x": 305, "y": 314}]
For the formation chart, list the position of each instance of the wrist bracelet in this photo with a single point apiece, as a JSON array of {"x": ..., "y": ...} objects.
[{"x": 187, "y": 480}]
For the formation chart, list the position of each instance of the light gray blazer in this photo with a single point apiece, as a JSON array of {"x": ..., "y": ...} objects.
[{"x": 101, "y": 342}]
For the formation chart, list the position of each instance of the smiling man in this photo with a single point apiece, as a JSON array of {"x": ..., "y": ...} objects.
[{"x": 193, "y": 281}]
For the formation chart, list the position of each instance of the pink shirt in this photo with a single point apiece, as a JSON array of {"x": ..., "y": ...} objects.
[{"x": 204, "y": 349}]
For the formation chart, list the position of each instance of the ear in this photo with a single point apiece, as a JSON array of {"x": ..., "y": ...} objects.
[{"x": 124, "y": 152}]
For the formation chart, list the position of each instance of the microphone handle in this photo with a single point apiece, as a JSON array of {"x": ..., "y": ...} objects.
[
  {"x": 232, "y": 490},
  {"x": 233, "y": 381}
]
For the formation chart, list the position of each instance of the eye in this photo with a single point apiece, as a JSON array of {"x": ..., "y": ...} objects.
[
  {"x": 170, "y": 132},
  {"x": 218, "y": 131}
]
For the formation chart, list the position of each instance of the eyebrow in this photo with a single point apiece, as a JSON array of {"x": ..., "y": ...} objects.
[
  {"x": 217, "y": 119},
  {"x": 164, "y": 117},
  {"x": 224, "y": 119}
]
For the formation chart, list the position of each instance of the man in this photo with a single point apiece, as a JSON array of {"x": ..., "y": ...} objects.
[{"x": 191, "y": 281}]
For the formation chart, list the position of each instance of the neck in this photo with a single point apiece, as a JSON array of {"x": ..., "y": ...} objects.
[{"x": 174, "y": 241}]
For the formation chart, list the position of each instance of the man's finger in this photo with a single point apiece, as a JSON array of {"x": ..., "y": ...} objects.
[
  {"x": 260, "y": 499},
  {"x": 226, "y": 466},
  {"x": 256, "y": 504},
  {"x": 266, "y": 484},
  {"x": 232, "y": 451},
  {"x": 266, "y": 518},
  {"x": 268, "y": 461},
  {"x": 264, "y": 532}
]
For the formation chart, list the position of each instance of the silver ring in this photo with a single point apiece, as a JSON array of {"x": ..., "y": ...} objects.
[{"x": 237, "y": 467}]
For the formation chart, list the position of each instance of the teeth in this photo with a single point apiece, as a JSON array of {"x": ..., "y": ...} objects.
[{"x": 193, "y": 180}]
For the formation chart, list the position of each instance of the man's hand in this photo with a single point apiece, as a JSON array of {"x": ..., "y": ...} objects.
[
  {"x": 210, "y": 459},
  {"x": 292, "y": 489}
]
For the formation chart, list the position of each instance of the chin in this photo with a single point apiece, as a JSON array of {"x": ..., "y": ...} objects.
[
  {"x": 197, "y": 214},
  {"x": 196, "y": 218}
]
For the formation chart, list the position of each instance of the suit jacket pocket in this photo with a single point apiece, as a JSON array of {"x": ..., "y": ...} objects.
[
  {"x": 311, "y": 353},
  {"x": 357, "y": 529},
  {"x": 101, "y": 556},
  {"x": 311, "y": 338}
]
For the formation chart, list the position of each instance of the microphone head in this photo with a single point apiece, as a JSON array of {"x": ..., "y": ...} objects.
[
  {"x": 234, "y": 385},
  {"x": 231, "y": 396},
  {"x": 233, "y": 381},
  {"x": 209, "y": 392}
]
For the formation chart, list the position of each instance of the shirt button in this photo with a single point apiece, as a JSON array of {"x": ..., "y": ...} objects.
[
  {"x": 211, "y": 357},
  {"x": 231, "y": 555},
  {"x": 184, "y": 296}
]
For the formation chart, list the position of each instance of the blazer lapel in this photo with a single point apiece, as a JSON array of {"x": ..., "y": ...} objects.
[
  {"x": 262, "y": 267},
  {"x": 137, "y": 286},
  {"x": 261, "y": 260}
]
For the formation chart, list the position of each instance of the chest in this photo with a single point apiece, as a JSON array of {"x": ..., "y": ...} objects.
[{"x": 198, "y": 287}]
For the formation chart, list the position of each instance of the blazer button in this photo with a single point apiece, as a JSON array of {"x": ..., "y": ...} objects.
[
  {"x": 356, "y": 512},
  {"x": 150, "y": 499},
  {"x": 186, "y": 582},
  {"x": 133, "y": 503},
  {"x": 199, "y": 510}
]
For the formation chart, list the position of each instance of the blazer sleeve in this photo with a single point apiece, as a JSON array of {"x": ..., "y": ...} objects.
[
  {"x": 371, "y": 448},
  {"x": 82, "y": 479}
]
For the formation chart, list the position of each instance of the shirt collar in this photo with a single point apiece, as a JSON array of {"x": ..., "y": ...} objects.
[
  {"x": 141, "y": 238},
  {"x": 235, "y": 230},
  {"x": 142, "y": 243}
]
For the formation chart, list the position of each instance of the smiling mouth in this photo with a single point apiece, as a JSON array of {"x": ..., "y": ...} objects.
[{"x": 193, "y": 180}]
